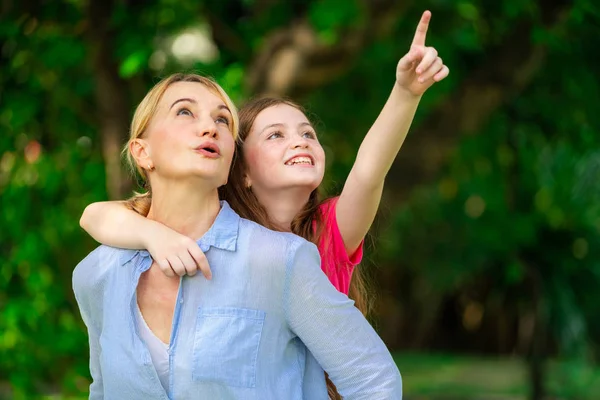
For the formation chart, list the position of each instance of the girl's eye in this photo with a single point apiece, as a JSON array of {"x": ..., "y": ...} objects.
[
  {"x": 275, "y": 135},
  {"x": 309, "y": 135},
  {"x": 184, "y": 111}
]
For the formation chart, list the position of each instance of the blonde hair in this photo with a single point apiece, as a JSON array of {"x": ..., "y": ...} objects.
[{"x": 142, "y": 117}]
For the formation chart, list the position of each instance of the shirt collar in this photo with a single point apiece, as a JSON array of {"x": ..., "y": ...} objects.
[{"x": 223, "y": 234}]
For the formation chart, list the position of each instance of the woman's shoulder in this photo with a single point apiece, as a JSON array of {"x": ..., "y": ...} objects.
[
  {"x": 97, "y": 264},
  {"x": 259, "y": 232},
  {"x": 266, "y": 240}
]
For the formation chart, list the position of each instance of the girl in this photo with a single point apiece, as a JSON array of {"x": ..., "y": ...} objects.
[{"x": 233, "y": 337}]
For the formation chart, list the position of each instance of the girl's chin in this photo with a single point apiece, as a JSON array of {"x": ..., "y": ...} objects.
[{"x": 307, "y": 186}]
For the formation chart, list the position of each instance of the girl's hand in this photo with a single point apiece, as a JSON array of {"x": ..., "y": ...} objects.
[
  {"x": 420, "y": 67},
  {"x": 176, "y": 254}
]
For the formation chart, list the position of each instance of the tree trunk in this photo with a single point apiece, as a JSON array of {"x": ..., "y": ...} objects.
[
  {"x": 111, "y": 97},
  {"x": 537, "y": 353}
]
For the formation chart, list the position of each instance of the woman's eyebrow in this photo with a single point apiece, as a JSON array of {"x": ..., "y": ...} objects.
[
  {"x": 220, "y": 106},
  {"x": 224, "y": 107},
  {"x": 183, "y": 99}
]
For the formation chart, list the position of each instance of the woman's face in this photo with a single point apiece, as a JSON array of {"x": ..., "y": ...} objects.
[
  {"x": 190, "y": 135},
  {"x": 282, "y": 151}
]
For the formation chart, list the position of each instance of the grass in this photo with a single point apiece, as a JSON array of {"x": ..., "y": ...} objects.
[
  {"x": 454, "y": 377},
  {"x": 449, "y": 377}
]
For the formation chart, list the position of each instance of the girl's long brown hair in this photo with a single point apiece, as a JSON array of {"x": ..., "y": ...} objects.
[{"x": 245, "y": 203}]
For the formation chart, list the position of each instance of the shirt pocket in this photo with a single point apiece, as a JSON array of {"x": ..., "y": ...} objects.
[{"x": 226, "y": 345}]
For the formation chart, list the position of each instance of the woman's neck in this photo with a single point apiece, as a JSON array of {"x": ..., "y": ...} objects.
[
  {"x": 283, "y": 206},
  {"x": 185, "y": 208}
]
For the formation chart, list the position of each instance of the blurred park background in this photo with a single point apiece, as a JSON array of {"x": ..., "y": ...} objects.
[{"x": 485, "y": 257}]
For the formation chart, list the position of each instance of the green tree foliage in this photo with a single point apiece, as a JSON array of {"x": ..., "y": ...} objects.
[{"x": 491, "y": 228}]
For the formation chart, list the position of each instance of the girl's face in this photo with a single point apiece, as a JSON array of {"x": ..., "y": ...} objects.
[
  {"x": 282, "y": 151},
  {"x": 190, "y": 135}
]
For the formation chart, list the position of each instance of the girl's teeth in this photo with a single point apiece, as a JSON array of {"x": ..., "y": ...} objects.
[{"x": 303, "y": 160}]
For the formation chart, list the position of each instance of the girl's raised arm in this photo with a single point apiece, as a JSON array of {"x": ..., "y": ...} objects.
[{"x": 358, "y": 203}]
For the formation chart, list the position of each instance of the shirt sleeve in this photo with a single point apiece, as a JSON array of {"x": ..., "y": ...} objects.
[
  {"x": 333, "y": 237},
  {"x": 335, "y": 332},
  {"x": 88, "y": 295}
]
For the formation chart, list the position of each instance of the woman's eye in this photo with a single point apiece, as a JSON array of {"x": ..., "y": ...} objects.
[
  {"x": 275, "y": 135},
  {"x": 223, "y": 120},
  {"x": 184, "y": 111},
  {"x": 309, "y": 135}
]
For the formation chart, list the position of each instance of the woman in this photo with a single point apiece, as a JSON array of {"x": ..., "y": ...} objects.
[{"x": 159, "y": 337}]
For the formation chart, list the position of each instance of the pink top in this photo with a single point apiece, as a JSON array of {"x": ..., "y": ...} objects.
[{"x": 335, "y": 261}]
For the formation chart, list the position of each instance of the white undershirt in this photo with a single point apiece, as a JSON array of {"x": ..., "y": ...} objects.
[{"x": 159, "y": 351}]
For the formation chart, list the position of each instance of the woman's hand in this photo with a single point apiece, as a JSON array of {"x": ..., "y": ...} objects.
[{"x": 420, "y": 67}]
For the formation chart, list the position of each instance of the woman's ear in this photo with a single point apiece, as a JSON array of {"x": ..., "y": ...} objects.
[
  {"x": 247, "y": 182},
  {"x": 140, "y": 150}
]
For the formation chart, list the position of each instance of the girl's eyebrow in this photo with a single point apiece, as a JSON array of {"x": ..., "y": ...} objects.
[{"x": 279, "y": 125}]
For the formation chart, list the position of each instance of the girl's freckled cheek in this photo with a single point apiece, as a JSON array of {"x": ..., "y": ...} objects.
[
  {"x": 252, "y": 159},
  {"x": 250, "y": 155}
]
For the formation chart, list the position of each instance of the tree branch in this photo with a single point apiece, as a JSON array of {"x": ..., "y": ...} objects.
[{"x": 294, "y": 59}]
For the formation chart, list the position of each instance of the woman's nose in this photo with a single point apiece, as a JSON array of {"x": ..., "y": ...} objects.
[{"x": 207, "y": 127}]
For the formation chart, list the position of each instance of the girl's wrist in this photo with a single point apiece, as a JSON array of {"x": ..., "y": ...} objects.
[
  {"x": 404, "y": 94},
  {"x": 149, "y": 233}
]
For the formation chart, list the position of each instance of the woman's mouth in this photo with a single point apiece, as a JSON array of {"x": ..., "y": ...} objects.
[{"x": 208, "y": 150}]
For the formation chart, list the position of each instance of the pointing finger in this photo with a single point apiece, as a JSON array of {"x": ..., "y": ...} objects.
[{"x": 421, "y": 33}]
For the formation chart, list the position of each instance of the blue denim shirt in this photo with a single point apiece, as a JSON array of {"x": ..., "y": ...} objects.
[{"x": 264, "y": 327}]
